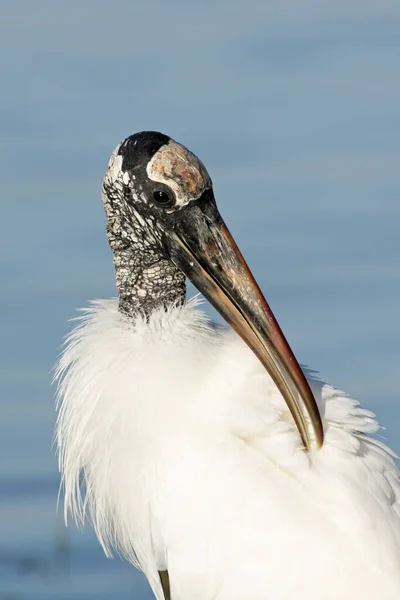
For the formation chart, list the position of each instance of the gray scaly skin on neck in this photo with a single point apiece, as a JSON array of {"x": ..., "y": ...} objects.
[{"x": 145, "y": 280}]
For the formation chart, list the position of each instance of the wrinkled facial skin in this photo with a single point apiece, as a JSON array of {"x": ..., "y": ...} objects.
[
  {"x": 145, "y": 168},
  {"x": 141, "y": 167}
]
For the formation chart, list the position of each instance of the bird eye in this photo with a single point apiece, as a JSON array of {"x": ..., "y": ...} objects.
[{"x": 163, "y": 198}]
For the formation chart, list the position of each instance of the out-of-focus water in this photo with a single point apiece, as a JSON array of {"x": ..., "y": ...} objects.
[{"x": 293, "y": 106}]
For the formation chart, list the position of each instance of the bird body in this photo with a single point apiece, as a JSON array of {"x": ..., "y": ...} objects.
[
  {"x": 185, "y": 453},
  {"x": 192, "y": 464}
]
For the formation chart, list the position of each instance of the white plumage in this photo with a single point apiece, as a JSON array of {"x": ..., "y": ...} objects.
[
  {"x": 211, "y": 481},
  {"x": 210, "y": 464}
]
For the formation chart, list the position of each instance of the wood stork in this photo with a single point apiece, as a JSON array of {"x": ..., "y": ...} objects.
[{"x": 207, "y": 459}]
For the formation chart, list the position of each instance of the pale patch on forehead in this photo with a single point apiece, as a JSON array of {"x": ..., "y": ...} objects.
[
  {"x": 114, "y": 165},
  {"x": 175, "y": 166}
]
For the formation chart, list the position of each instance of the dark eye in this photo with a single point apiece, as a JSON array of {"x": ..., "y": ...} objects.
[{"x": 163, "y": 198}]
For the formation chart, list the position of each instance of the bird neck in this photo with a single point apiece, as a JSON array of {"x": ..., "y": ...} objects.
[{"x": 145, "y": 281}]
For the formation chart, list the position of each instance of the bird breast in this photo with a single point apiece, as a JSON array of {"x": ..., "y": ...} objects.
[{"x": 190, "y": 462}]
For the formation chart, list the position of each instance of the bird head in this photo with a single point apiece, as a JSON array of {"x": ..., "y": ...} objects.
[{"x": 159, "y": 199}]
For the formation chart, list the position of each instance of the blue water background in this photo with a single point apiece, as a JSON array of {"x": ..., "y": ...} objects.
[{"x": 294, "y": 108}]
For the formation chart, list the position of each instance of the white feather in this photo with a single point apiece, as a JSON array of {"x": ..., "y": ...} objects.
[{"x": 177, "y": 443}]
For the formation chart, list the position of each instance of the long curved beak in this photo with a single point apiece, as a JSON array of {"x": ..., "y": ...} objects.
[{"x": 204, "y": 249}]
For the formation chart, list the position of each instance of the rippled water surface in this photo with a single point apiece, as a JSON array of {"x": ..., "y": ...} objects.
[{"x": 293, "y": 106}]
